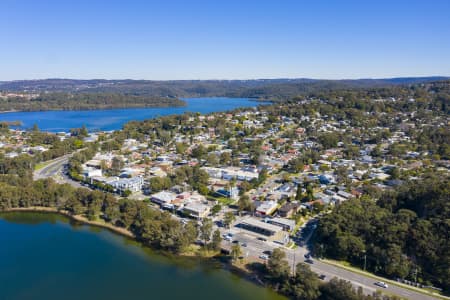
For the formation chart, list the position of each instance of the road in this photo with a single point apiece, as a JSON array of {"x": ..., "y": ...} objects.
[
  {"x": 252, "y": 248},
  {"x": 55, "y": 170}
]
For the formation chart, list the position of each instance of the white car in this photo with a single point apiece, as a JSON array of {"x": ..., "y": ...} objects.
[
  {"x": 227, "y": 238},
  {"x": 381, "y": 284},
  {"x": 264, "y": 256}
]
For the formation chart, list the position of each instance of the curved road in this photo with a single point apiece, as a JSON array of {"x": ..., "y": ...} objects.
[{"x": 55, "y": 170}]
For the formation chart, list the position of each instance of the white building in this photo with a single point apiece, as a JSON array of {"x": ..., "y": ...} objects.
[
  {"x": 132, "y": 184},
  {"x": 267, "y": 208},
  {"x": 163, "y": 198},
  {"x": 196, "y": 209}
]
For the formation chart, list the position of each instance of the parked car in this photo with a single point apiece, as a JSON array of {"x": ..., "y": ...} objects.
[
  {"x": 322, "y": 276},
  {"x": 264, "y": 256},
  {"x": 309, "y": 261},
  {"x": 381, "y": 284},
  {"x": 226, "y": 237}
]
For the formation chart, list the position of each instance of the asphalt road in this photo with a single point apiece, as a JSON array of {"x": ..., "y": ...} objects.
[
  {"x": 55, "y": 170},
  {"x": 252, "y": 248}
]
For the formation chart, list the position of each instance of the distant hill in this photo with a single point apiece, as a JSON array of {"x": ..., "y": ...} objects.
[{"x": 260, "y": 88}]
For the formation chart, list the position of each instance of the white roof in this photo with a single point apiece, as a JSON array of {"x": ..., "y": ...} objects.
[{"x": 164, "y": 196}]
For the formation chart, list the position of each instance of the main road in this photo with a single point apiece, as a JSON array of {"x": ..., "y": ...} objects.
[
  {"x": 55, "y": 169},
  {"x": 253, "y": 248}
]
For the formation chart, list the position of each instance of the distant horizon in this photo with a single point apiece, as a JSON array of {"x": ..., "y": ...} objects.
[{"x": 235, "y": 79}]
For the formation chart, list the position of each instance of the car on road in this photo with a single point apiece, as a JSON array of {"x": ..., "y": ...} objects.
[
  {"x": 262, "y": 239},
  {"x": 244, "y": 244},
  {"x": 264, "y": 256},
  {"x": 307, "y": 255},
  {"x": 309, "y": 261},
  {"x": 322, "y": 276},
  {"x": 381, "y": 284}
]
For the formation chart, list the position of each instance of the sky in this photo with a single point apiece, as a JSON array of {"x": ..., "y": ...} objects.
[{"x": 227, "y": 39}]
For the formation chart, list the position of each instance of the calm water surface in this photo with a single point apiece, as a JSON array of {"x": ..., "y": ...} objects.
[
  {"x": 44, "y": 256},
  {"x": 113, "y": 119}
]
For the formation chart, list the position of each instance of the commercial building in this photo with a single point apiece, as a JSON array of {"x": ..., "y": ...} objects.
[
  {"x": 132, "y": 184},
  {"x": 286, "y": 224},
  {"x": 196, "y": 210},
  {"x": 163, "y": 198},
  {"x": 264, "y": 230},
  {"x": 266, "y": 208}
]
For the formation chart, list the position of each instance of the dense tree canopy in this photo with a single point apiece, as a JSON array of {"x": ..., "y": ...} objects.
[{"x": 405, "y": 232}]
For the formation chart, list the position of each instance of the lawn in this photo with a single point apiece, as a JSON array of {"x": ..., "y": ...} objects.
[{"x": 41, "y": 165}]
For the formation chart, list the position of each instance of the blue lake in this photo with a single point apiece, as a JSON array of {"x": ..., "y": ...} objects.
[
  {"x": 113, "y": 119},
  {"x": 46, "y": 256}
]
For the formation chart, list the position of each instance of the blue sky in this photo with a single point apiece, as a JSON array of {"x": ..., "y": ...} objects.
[{"x": 229, "y": 39}]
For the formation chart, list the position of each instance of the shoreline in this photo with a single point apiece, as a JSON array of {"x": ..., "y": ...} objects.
[
  {"x": 217, "y": 262},
  {"x": 91, "y": 109},
  {"x": 231, "y": 267},
  {"x": 122, "y": 231}
]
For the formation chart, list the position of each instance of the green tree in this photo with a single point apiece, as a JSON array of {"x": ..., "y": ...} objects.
[
  {"x": 236, "y": 251},
  {"x": 305, "y": 284},
  {"x": 299, "y": 194},
  {"x": 206, "y": 230},
  {"x": 216, "y": 240},
  {"x": 244, "y": 203},
  {"x": 216, "y": 209},
  {"x": 229, "y": 218},
  {"x": 278, "y": 266}
]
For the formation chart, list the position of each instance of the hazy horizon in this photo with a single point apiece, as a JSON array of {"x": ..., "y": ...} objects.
[{"x": 230, "y": 79}]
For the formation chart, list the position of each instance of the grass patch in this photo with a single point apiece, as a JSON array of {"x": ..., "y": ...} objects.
[
  {"x": 224, "y": 201},
  {"x": 291, "y": 245},
  {"x": 41, "y": 165}
]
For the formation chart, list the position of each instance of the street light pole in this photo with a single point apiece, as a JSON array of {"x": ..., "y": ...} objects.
[{"x": 365, "y": 259}]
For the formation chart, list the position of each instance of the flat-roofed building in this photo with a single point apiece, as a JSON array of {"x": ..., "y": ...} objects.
[
  {"x": 258, "y": 226},
  {"x": 267, "y": 208},
  {"x": 286, "y": 224},
  {"x": 133, "y": 184},
  {"x": 196, "y": 210},
  {"x": 264, "y": 230},
  {"x": 163, "y": 198}
]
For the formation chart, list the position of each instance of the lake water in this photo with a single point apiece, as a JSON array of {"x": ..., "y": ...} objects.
[
  {"x": 113, "y": 119},
  {"x": 45, "y": 256}
]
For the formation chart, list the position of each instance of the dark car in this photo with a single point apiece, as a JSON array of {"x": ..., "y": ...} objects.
[
  {"x": 307, "y": 255},
  {"x": 309, "y": 261},
  {"x": 322, "y": 277}
]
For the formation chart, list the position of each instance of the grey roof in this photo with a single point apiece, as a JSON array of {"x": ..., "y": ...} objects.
[{"x": 257, "y": 223}]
